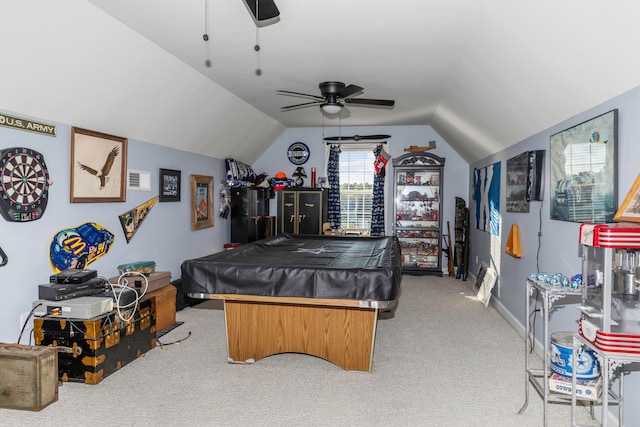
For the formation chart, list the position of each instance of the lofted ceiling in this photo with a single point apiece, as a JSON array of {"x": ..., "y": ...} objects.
[{"x": 484, "y": 74}]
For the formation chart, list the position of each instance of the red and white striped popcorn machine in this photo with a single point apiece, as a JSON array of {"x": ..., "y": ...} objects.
[{"x": 611, "y": 274}]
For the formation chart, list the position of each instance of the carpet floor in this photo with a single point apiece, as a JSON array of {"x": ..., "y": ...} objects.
[{"x": 441, "y": 359}]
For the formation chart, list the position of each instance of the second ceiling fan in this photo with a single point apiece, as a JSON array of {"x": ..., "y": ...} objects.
[{"x": 334, "y": 96}]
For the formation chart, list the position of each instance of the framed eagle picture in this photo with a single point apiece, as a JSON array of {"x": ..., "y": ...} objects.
[{"x": 98, "y": 167}]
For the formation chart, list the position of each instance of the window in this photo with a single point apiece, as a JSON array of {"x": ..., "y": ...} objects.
[{"x": 356, "y": 186}]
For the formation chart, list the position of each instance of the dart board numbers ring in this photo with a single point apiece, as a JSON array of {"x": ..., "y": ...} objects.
[
  {"x": 298, "y": 153},
  {"x": 24, "y": 184}
]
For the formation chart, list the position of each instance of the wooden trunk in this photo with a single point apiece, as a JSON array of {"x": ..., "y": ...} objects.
[
  {"x": 98, "y": 346},
  {"x": 28, "y": 376},
  {"x": 164, "y": 306}
]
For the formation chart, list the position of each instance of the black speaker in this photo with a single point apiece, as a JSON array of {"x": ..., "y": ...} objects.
[
  {"x": 266, "y": 9},
  {"x": 535, "y": 176}
]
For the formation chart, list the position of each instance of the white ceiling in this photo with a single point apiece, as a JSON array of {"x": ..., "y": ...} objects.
[{"x": 484, "y": 74}]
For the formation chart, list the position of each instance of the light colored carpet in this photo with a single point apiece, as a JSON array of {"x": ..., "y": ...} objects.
[{"x": 442, "y": 359}]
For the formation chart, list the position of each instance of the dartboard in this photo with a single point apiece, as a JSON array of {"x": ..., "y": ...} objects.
[{"x": 24, "y": 184}]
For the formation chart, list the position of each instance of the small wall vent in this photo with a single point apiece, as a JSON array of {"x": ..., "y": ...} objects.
[{"x": 138, "y": 180}]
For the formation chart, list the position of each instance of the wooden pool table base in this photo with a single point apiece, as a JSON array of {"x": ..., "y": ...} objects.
[{"x": 338, "y": 331}]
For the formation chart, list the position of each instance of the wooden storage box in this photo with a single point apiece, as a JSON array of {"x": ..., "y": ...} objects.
[
  {"x": 157, "y": 280},
  {"x": 99, "y": 346},
  {"x": 164, "y": 303},
  {"x": 28, "y": 376}
]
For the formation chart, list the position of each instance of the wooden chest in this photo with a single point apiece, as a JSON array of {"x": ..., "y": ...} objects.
[
  {"x": 28, "y": 376},
  {"x": 164, "y": 300},
  {"x": 99, "y": 346}
]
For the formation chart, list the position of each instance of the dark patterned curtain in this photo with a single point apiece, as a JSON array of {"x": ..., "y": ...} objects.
[
  {"x": 333, "y": 176},
  {"x": 377, "y": 212}
]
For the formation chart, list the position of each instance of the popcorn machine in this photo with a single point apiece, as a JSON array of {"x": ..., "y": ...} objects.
[{"x": 610, "y": 297}]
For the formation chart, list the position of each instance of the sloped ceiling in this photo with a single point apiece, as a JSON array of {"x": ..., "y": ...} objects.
[{"x": 484, "y": 74}]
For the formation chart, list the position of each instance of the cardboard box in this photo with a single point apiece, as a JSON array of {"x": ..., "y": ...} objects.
[
  {"x": 164, "y": 303},
  {"x": 29, "y": 376},
  {"x": 589, "y": 390}
]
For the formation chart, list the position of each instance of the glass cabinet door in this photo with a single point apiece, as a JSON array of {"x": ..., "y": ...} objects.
[{"x": 418, "y": 218}]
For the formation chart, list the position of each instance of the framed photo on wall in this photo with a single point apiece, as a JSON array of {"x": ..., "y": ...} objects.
[
  {"x": 201, "y": 202},
  {"x": 517, "y": 171},
  {"x": 630, "y": 208},
  {"x": 584, "y": 171},
  {"x": 98, "y": 167},
  {"x": 169, "y": 185}
]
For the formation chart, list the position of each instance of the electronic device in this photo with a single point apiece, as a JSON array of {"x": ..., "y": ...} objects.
[
  {"x": 73, "y": 276},
  {"x": 76, "y": 308},
  {"x": 59, "y": 292},
  {"x": 122, "y": 297},
  {"x": 25, "y": 184}
]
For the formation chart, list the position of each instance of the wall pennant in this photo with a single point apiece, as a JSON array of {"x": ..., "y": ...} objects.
[
  {"x": 132, "y": 219},
  {"x": 513, "y": 242}
]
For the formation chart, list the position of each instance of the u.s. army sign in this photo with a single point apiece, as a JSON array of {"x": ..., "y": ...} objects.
[{"x": 28, "y": 125}]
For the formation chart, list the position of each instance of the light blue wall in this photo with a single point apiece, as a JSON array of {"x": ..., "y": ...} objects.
[
  {"x": 455, "y": 172},
  {"x": 559, "y": 248},
  {"x": 164, "y": 237}
]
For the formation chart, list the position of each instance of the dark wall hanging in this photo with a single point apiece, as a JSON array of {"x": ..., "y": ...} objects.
[
  {"x": 584, "y": 171},
  {"x": 169, "y": 185}
]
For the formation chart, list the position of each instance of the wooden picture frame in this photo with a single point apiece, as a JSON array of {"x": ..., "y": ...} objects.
[
  {"x": 485, "y": 280},
  {"x": 169, "y": 185},
  {"x": 629, "y": 210},
  {"x": 98, "y": 167},
  {"x": 201, "y": 202}
]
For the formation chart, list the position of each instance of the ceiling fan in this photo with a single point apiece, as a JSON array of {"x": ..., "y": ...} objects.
[
  {"x": 334, "y": 96},
  {"x": 356, "y": 137}
]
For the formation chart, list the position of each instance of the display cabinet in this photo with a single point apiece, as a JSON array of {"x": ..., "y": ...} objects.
[
  {"x": 301, "y": 210},
  {"x": 417, "y": 211}
]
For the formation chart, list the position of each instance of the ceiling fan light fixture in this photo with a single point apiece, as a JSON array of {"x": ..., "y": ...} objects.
[{"x": 331, "y": 108}]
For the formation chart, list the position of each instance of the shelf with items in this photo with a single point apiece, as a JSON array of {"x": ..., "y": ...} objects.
[
  {"x": 539, "y": 378},
  {"x": 612, "y": 364},
  {"x": 418, "y": 222}
]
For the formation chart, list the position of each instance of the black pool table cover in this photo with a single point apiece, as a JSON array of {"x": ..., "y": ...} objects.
[{"x": 304, "y": 266}]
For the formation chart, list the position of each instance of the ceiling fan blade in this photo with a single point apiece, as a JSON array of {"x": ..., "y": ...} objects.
[
  {"x": 364, "y": 101},
  {"x": 306, "y": 104},
  {"x": 349, "y": 90},
  {"x": 266, "y": 9},
  {"x": 356, "y": 137},
  {"x": 303, "y": 95}
]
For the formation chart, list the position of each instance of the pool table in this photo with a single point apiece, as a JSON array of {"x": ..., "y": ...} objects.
[{"x": 317, "y": 295}]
